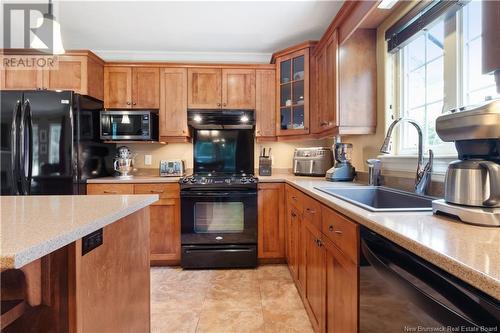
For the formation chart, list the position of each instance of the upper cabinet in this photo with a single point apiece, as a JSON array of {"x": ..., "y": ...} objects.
[
  {"x": 265, "y": 104},
  {"x": 204, "y": 88},
  {"x": 324, "y": 115},
  {"x": 81, "y": 72},
  {"x": 131, "y": 87},
  {"x": 173, "y": 102},
  {"x": 215, "y": 88},
  {"x": 238, "y": 88},
  {"x": 292, "y": 84}
]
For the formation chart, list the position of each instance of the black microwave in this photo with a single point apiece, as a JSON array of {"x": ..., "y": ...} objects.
[{"x": 129, "y": 125}]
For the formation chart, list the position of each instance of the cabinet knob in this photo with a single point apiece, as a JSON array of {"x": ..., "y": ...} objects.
[
  {"x": 134, "y": 103},
  {"x": 224, "y": 104},
  {"x": 157, "y": 191},
  {"x": 294, "y": 215},
  {"x": 310, "y": 211},
  {"x": 323, "y": 123},
  {"x": 128, "y": 103},
  {"x": 218, "y": 104},
  {"x": 294, "y": 198},
  {"x": 330, "y": 227}
]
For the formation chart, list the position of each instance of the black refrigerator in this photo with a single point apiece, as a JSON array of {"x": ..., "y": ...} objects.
[{"x": 50, "y": 143}]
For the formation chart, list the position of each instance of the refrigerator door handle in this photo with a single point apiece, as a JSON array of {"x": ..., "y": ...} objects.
[
  {"x": 29, "y": 125},
  {"x": 14, "y": 145},
  {"x": 24, "y": 148}
]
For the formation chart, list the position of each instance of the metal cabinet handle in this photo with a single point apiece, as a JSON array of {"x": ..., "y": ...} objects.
[
  {"x": 294, "y": 198},
  {"x": 311, "y": 211},
  {"x": 330, "y": 227},
  {"x": 294, "y": 215},
  {"x": 157, "y": 191},
  {"x": 110, "y": 192},
  {"x": 338, "y": 232},
  {"x": 224, "y": 104},
  {"x": 323, "y": 123}
]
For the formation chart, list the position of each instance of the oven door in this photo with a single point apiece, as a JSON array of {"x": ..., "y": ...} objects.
[{"x": 222, "y": 216}]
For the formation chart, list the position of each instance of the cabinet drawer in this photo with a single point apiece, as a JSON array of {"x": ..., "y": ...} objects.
[
  {"x": 165, "y": 191},
  {"x": 312, "y": 211},
  {"x": 294, "y": 197},
  {"x": 341, "y": 231},
  {"x": 110, "y": 189}
]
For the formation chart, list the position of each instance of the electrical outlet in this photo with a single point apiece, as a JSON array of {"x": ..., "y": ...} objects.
[{"x": 148, "y": 159}]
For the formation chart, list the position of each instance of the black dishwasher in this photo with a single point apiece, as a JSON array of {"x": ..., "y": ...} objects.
[{"x": 401, "y": 292}]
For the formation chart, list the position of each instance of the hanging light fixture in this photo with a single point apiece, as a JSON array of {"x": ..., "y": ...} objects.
[{"x": 50, "y": 30}]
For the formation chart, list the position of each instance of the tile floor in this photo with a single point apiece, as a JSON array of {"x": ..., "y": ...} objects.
[{"x": 256, "y": 300}]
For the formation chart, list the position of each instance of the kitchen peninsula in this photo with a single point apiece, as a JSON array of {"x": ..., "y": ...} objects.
[{"x": 75, "y": 263}]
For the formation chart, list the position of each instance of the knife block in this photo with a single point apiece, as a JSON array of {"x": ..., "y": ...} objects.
[{"x": 265, "y": 166}]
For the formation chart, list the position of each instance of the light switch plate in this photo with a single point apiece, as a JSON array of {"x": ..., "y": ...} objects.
[{"x": 148, "y": 159}]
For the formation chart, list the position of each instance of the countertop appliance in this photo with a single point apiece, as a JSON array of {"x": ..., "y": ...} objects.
[
  {"x": 219, "y": 201},
  {"x": 314, "y": 161},
  {"x": 50, "y": 143},
  {"x": 172, "y": 168},
  {"x": 342, "y": 169},
  {"x": 129, "y": 125},
  {"x": 124, "y": 162},
  {"x": 399, "y": 291},
  {"x": 265, "y": 162},
  {"x": 472, "y": 183}
]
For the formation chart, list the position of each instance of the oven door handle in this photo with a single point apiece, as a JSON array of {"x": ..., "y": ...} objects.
[{"x": 221, "y": 249}]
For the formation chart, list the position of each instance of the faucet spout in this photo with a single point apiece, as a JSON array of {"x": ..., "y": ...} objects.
[{"x": 423, "y": 174}]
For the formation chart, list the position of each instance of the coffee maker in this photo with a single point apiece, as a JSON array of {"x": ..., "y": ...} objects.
[
  {"x": 342, "y": 169},
  {"x": 472, "y": 183}
]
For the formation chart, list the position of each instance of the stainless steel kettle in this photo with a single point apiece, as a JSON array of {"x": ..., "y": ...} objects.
[{"x": 473, "y": 182}]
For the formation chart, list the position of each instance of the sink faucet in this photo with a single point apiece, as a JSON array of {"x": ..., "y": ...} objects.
[{"x": 423, "y": 176}]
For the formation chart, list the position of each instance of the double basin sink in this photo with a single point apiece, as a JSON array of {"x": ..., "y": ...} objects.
[{"x": 380, "y": 199}]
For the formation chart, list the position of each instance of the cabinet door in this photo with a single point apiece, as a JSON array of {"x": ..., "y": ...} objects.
[
  {"x": 71, "y": 74},
  {"x": 265, "y": 97},
  {"x": 146, "y": 88},
  {"x": 204, "y": 88},
  {"x": 271, "y": 219},
  {"x": 238, "y": 88},
  {"x": 293, "y": 228},
  {"x": 165, "y": 232},
  {"x": 315, "y": 263},
  {"x": 341, "y": 292},
  {"x": 173, "y": 102},
  {"x": 117, "y": 87},
  {"x": 25, "y": 79}
]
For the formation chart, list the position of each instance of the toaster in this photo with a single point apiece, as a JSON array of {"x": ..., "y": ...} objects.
[
  {"x": 172, "y": 168},
  {"x": 314, "y": 161}
]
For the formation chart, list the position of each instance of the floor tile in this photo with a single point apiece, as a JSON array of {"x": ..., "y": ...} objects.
[
  {"x": 230, "y": 321},
  {"x": 280, "y": 320},
  {"x": 273, "y": 272},
  {"x": 179, "y": 296},
  {"x": 173, "y": 321},
  {"x": 280, "y": 294}
]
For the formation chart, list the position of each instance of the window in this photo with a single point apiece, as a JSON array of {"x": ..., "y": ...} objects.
[{"x": 438, "y": 70}]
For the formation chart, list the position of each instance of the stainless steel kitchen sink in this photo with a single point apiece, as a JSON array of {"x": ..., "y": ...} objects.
[{"x": 380, "y": 199}]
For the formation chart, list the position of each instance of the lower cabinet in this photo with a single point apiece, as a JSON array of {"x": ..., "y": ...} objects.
[
  {"x": 341, "y": 291},
  {"x": 271, "y": 220},
  {"x": 324, "y": 265},
  {"x": 165, "y": 228}
]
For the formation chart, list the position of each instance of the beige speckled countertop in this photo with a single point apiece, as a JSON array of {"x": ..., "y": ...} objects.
[
  {"x": 34, "y": 226},
  {"x": 469, "y": 252}
]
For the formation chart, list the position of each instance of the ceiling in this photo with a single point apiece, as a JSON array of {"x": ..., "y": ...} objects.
[{"x": 216, "y": 31}]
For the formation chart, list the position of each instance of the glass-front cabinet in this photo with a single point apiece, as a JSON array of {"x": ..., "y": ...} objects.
[{"x": 293, "y": 91}]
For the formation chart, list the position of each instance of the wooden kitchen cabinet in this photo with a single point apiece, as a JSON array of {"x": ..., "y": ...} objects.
[
  {"x": 315, "y": 277},
  {"x": 81, "y": 72},
  {"x": 293, "y": 227},
  {"x": 131, "y": 87},
  {"x": 173, "y": 103},
  {"x": 341, "y": 290},
  {"x": 238, "y": 88},
  {"x": 271, "y": 220},
  {"x": 292, "y": 84},
  {"x": 325, "y": 86},
  {"x": 265, "y": 104},
  {"x": 165, "y": 225},
  {"x": 204, "y": 88}
]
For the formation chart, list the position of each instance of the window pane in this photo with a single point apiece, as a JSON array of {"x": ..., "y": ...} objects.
[
  {"x": 433, "y": 111},
  {"x": 415, "y": 53},
  {"x": 435, "y": 41},
  {"x": 416, "y": 87},
  {"x": 435, "y": 80}
]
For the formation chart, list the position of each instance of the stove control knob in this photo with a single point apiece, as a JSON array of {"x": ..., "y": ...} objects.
[{"x": 227, "y": 180}]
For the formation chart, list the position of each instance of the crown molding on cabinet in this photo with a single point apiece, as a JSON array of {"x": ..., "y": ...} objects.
[{"x": 185, "y": 57}]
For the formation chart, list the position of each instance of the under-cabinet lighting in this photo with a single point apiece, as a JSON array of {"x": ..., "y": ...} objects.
[
  {"x": 387, "y": 4},
  {"x": 197, "y": 118},
  {"x": 244, "y": 119}
]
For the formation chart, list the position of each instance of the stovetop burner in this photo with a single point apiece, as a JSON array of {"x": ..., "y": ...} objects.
[{"x": 218, "y": 180}]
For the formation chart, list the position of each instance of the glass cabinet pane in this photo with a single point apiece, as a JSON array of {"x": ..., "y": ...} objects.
[
  {"x": 298, "y": 117},
  {"x": 286, "y": 118},
  {"x": 298, "y": 68},
  {"x": 286, "y": 95},
  {"x": 285, "y": 71},
  {"x": 298, "y": 93}
]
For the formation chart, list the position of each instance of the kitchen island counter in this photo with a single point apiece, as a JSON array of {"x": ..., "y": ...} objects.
[{"x": 34, "y": 226}]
